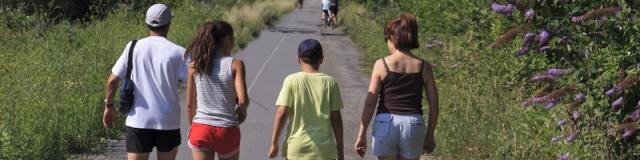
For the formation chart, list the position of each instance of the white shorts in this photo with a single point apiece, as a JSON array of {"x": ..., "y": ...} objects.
[{"x": 398, "y": 135}]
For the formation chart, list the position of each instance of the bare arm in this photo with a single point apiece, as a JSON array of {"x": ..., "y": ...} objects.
[
  {"x": 191, "y": 93},
  {"x": 112, "y": 85},
  {"x": 336, "y": 124},
  {"x": 369, "y": 106},
  {"x": 109, "y": 111},
  {"x": 432, "y": 97},
  {"x": 241, "y": 89},
  {"x": 278, "y": 124},
  {"x": 372, "y": 98}
]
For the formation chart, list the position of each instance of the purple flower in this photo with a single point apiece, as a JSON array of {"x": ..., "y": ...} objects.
[
  {"x": 564, "y": 40},
  {"x": 544, "y": 37},
  {"x": 542, "y": 78},
  {"x": 552, "y": 104},
  {"x": 530, "y": 14},
  {"x": 635, "y": 115},
  {"x": 544, "y": 49},
  {"x": 505, "y": 10},
  {"x": 556, "y": 138},
  {"x": 537, "y": 100},
  {"x": 526, "y": 103},
  {"x": 580, "y": 98},
  {"x": 619, "y": 102},
  {"x": 522, "y": 51},
  {"x": 528, "y": 38},
  {"x": 577, "y": 19},
  {"x": 612, "y": 91},
  {"x": 575, "y": 115},
  {"x": 557, "y": 72},
  {"x": 628, "y": 133},
  {"x": 564, "y": 157},
  {"x": 562, "y": 122},
  {"x": 572, "y": 137}
]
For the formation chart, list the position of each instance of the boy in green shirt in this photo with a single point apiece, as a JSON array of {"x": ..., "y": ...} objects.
[{"x": 311, "y": 101}]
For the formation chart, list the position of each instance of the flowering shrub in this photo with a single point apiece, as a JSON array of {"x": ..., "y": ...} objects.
[
  {"x": 483, "y": 86},
  {"x": 597, "y": 44}
]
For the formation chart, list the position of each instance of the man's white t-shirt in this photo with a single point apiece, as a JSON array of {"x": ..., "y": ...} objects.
[{"x": 158, "y": 68}]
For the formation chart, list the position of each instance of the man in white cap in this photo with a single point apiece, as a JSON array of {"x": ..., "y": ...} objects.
[{"x": 158, "y": 67}]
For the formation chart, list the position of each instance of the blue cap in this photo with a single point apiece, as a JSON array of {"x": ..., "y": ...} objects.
[{"x": 310, "y": 48}]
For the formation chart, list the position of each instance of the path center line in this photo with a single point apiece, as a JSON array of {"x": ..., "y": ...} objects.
[{"x": 263, "y": 66}]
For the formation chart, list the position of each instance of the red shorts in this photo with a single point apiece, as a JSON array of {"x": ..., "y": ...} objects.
[{"x": 224, "y": 141}]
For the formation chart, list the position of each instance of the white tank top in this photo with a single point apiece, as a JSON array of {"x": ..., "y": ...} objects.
[{"x": 216, "y": 95}]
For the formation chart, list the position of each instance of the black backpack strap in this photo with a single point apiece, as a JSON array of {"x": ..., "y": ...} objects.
[{"x": 129, "y": 61}]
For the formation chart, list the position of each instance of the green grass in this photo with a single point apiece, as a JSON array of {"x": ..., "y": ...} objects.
[
  {"x": 481, "y": 88},
  {"x": 53, "y": 76}
]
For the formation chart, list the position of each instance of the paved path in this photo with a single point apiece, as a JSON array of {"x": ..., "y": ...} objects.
[{"x": 269, "y": 59}]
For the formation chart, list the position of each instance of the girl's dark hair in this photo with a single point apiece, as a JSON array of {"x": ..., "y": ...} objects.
[
  {"x": 403, "y": 32},
  {"x": 206, "y": 43}
]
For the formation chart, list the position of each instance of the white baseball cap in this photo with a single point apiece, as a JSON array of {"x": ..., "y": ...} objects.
[{"x": 158, "y": 15}]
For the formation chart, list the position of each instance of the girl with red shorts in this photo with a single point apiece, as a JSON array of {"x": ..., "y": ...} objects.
[{"x": 217, "y": 97}]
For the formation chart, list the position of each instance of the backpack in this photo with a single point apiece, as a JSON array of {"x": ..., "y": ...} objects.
[{"x": 127, "y": 88}]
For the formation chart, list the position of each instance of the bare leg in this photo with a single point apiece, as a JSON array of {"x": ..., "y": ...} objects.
[
  {"x": 300, "y": 4},
  {"x": 234, "y": 157},
  {"x": 138, "y": 156},
  {"x": 332, "y": 17},
  {"x": 171, "y": 155},
  {"x": 203, "y": 155}
]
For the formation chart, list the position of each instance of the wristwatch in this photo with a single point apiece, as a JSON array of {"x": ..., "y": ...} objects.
[{"x": 107, "y": 103}]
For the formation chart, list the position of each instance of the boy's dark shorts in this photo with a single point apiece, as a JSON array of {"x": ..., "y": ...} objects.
[{"x": 143, "y": 140}]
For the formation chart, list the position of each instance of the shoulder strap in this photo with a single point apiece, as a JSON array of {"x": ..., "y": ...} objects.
[
  {"x": 386, "y": 67},
  {"x": 129, "y": 61}
]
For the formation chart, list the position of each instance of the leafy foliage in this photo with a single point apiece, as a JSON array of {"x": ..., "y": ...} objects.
[
  {"x": 482, "y": 87},
  {"x": 53, "y": 74}
]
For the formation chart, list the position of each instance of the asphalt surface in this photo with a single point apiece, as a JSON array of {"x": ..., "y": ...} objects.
[
  {"x": 268, "y": 60},
  {"x": 272, "y": 56}
]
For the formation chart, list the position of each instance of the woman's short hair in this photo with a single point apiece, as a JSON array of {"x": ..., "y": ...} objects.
[{"x": 403, "y": 32}]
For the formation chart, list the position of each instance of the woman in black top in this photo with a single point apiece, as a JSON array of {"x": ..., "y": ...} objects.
[{"x": 396, "y": 87}]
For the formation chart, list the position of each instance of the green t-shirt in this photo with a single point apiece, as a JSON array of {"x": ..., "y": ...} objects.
[{"x": 310, "y": 98}]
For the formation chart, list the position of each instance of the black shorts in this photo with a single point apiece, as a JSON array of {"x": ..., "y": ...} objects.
[
  {"x": 143, "y": 140},
  {"x": 334, "y": 9}
]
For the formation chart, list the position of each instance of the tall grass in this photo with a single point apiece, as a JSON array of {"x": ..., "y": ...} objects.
[
  {"x": 482, "y": 87},
  {"x": 248, "y": 20},
  {"x": 53, "y": 76},
  {"x": 480, "y": 117}
]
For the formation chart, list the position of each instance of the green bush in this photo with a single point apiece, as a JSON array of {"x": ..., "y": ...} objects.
[
  {"x": 54, "y": 75},
  {"x": 482, "y": 88}
]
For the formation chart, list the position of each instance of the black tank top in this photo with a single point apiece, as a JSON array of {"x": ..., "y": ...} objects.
[{"x": 401, "y": 93}]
